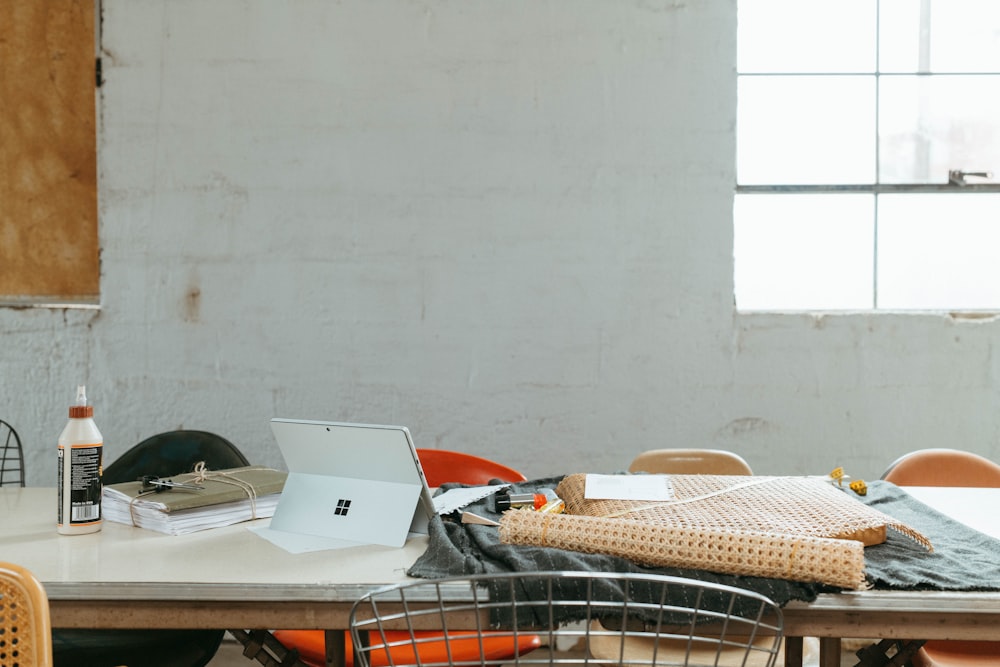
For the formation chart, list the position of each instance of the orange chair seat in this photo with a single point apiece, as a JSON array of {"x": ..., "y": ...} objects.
[
  {"x": 311, "y": 645},
  {"x": 440, "y": 466},
  {"x": 957, "y": 653},
  {"x": 948, "y": 467},
  {"x": 443, "y": 465}
]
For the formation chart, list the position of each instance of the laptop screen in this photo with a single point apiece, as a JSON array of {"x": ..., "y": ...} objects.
[{"x": 356, "y": 482}]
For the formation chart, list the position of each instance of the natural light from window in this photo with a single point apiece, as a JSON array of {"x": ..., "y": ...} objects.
[{"x": 868, "y": 136}]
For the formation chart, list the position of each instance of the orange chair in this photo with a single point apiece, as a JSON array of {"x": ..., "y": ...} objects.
[
  {"x": 948, "y": 467},
  {"x": 312, "y": 648},
  {"x": 943, "y": 467},
  {"x": 440, "y": 466}
]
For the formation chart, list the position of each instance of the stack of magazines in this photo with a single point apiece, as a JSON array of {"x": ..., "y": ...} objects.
[{"x": 225, "y": 497}]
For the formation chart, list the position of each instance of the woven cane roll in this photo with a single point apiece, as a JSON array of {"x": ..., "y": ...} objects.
[
  {"x": 800, "y": 506},
  {"x": 830, "y": 561}
]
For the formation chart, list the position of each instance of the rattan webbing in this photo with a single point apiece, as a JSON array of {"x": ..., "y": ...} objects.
[{"x": 784, "y": 527}]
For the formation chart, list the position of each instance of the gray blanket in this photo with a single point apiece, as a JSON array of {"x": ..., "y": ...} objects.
[{"x": 963, "y": 559}]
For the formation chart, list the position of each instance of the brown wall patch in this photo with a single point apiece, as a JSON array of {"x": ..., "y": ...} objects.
[{"x": 49, "y": 246}]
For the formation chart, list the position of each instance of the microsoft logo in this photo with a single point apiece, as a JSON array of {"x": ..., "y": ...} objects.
[{"x": 342, "y": 506}]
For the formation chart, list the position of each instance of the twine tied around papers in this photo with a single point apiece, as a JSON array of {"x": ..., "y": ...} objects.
[{"x": 202, "y": 473}]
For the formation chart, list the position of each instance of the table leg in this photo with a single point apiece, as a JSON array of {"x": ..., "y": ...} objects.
[
  {"x": 829, "y": 652},
  {"x": 336, "y": 648},
  {"x": 793, "y": 651}
]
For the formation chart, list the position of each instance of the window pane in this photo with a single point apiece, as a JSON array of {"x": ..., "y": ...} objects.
[
  {"x": 932, "y": 124},
  {"x": 804, "y": 252},
  {"x": 939, "y": 251},
  {"x": 805, "y": 130},
  {"x": 824, "y": 36},
  {"x": 939, "y": 36}
]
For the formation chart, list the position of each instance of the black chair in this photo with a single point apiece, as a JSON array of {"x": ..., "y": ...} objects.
[
  {"x": 164, "y": 455},
  {"x": 11, "y": 456},
  {"x": 174, "y": 453}
]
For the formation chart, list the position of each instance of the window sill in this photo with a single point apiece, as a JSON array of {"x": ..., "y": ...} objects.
[{"x": 23, "y": 303}]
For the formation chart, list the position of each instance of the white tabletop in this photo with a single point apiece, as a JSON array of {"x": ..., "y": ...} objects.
[
  {"x": 121, "y": 559},
  {"x": 230, "y": 577},
  {"x": 122, "y": 562},
  {"x": 975, "y": 507}
]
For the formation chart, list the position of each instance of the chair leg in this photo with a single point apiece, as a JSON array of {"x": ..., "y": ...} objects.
[
  {"x": 829, "y": 651},
  {"x": 793, "y": 651},
  {"x": 260, "y": 645},
  {"x": 336, "y": 648},
  {"x": 889, "y": 653}
]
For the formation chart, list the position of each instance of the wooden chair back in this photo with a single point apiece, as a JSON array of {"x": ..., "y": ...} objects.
[
  {"x": 943, "y": 467},
  {"x": 25, "y": 626},
  {"x": 948, "y": 467},
  {"x": 690, "y": 462}
]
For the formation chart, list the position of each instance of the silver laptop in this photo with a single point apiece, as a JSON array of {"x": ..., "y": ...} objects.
[{"x": 359, "y": 483}]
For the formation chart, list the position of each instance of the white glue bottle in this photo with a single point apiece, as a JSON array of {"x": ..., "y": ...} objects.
[{"x": 81, "y": 448}]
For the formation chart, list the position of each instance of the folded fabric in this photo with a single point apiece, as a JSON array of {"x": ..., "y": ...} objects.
[
  {"x": 963, "y": 559},
  {"x": 459, "y": 548}
]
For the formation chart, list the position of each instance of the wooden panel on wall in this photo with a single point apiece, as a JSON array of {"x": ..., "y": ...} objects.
[{"x": 48, "y": 152}]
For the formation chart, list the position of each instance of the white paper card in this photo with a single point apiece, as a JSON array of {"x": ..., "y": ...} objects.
[{"x": 628, "y": 487}]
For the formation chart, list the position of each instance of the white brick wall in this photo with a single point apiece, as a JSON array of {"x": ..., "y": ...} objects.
[{"x": 506, "y": 225}]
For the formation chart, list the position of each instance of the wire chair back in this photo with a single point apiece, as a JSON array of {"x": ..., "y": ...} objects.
[
  {"x": 11, "y": 456},
  {"x": 643, "y": 620}
]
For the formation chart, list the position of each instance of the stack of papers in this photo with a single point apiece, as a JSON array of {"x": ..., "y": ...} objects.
[{"x": 227, "y": 497}]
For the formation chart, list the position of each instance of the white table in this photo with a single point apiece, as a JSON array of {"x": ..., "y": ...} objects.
[
  {"x": 123, "y": 577},
  {"x": 973, "y": 506},
  {"x": 909, "y": 614}
]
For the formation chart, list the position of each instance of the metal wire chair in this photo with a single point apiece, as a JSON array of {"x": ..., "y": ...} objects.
[
  {"x": 680, "y": 622},
  {"x": 11, "y": 456}
]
